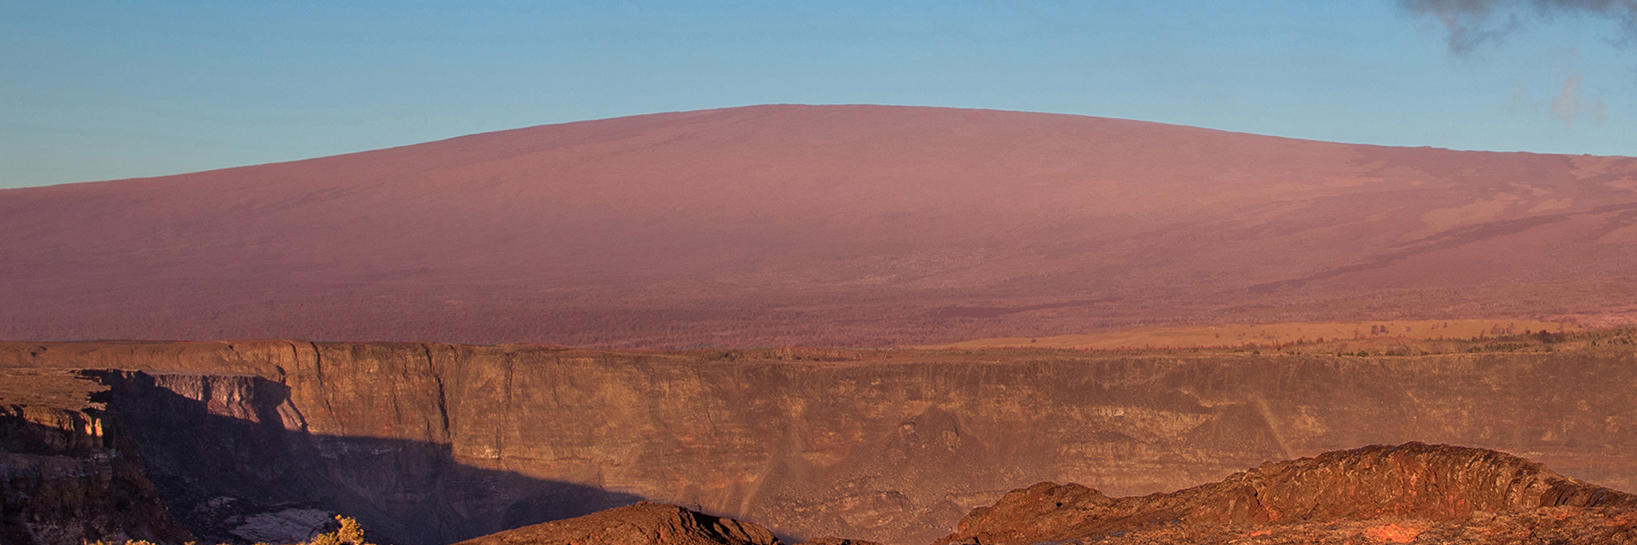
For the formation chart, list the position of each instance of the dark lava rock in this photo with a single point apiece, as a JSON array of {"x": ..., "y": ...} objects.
[
  {"x": 641, "y": 524},
  {"x": 1379, "y": 494},
  {"x": 67, "y": 475}
]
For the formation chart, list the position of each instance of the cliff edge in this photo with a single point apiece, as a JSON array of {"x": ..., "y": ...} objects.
[{"x": 67, "y": 475}]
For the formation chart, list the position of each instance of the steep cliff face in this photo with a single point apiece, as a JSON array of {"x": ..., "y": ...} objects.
[
  {"x": 238, "y": 463},
  {"x": 434, "y": 443},
  {"x": 66, "y": 475},
  {"x": 1434, "y": 493},
  {"x": 230, "y": 465}
]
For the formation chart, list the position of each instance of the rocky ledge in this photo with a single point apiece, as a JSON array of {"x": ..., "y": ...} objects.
[
  {"x": 641, "y": 524},
  {"x": 66, "y": 475},
  {"x": 1411, "y": 493},
  {"x": 646, "y": 524}
]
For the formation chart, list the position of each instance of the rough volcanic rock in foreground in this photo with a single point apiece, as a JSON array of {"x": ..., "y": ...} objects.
[
  {"x": 65, "y": 475},
  {"x": 1394, "y": 494},
  {"x": 641, "y": 524}
]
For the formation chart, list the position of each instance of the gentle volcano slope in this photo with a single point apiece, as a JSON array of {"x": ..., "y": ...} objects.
[{"x": 836, "y": 225}]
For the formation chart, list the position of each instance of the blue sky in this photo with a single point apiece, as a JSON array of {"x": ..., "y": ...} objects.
[{"x": 104, "y": 90}]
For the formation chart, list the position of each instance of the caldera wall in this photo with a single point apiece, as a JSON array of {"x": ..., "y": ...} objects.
[{"x": 432, "y": 443}]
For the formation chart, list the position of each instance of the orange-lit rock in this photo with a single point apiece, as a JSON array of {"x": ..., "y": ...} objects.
[{"x": 1379, "y": 494}]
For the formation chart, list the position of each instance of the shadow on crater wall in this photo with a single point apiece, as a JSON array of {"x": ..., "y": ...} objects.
[
  {"x": 889, "y": 446},
  {"x": 218, "y": 463}
]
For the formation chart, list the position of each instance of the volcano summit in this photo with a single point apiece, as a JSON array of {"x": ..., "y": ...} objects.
[{"x": 820, "y": 225}]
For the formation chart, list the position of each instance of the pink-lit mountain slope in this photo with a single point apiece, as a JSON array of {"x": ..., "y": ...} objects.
[{"x": 820, "y": 225}]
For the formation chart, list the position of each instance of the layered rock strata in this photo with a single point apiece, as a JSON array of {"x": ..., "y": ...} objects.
[
  {"x": 67, "y": 476},
  {"x": 434, "y": 443}
]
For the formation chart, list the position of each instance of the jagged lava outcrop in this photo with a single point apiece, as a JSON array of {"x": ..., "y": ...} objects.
[
  {"x": 1394, "y": 494},
  {"x": 434, "y": 443}
]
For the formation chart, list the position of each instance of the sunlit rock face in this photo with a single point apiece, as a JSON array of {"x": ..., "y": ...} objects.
[
  {"x": 641, "y": 524},
  {"x": 1379, "y": 494},
  {"x": 435, "y": 443}
]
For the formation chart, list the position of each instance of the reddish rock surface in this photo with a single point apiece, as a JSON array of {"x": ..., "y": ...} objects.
[
  {"x": 1408, "y": 493},
  {"x": 820, "y": 225},
  {"x": 428, "y": 444},
  {"x": 641, "y": 524}
]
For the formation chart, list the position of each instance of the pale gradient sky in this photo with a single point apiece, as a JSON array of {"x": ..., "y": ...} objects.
[{"x": 94, "y": 90}]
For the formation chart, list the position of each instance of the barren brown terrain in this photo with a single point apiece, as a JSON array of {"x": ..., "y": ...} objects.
[
  {"x": 822, "y": 226},
  {"x": 1274, "y": 335},
  {"x": 1410, "y": 493},
  {"x": 640, "y": 524},
  {"x": 432, "y": 443},
  {"x": 1380, "y": 494}
]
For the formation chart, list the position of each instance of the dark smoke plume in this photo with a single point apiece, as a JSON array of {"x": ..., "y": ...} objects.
[{"x": 1473, "y": 22}]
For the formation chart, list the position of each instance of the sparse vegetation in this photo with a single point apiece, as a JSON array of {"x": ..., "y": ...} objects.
[{"x": 350, "y": 533}]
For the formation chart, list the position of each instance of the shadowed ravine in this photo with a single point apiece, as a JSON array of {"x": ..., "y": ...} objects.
[
  {"x": 433, "y": 442},
  {"x": 205, "y": 437}
]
